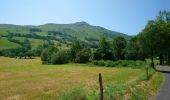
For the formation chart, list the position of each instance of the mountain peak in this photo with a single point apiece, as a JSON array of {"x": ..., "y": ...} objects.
[
  {"x": 50, "y": 24},
  {"x": 81, "y": 23}
]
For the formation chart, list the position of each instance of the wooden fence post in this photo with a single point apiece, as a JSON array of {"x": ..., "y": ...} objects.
[
  {"x": 101, "y": 86},
  {"x": 147, "y": 72}
]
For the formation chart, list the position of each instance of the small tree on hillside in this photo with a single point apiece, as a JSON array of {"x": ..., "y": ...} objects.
[{"x": 75, "y": 48}]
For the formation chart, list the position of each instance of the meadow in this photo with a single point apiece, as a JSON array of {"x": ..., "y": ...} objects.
[
  {"x": 5, "y": 44},
  {"x": 30, "y": 79}
]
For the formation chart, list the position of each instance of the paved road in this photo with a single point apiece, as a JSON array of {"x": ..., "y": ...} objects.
[{"x": 164, "y": 92}]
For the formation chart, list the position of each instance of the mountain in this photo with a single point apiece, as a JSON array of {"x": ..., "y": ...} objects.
[{"x": 60, "y": 34}]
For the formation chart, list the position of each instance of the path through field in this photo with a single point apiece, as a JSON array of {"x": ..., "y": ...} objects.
[{"x": 164, "y": 92}]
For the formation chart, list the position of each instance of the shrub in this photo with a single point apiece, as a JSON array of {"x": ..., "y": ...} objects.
[
  {"x": 44, "y": 55},
  {"x": 83, "y": 56},
  {"x": 121, "y": 63},
  {"x": 99, "y": 62},
  {"x": 61, "y": 57},
  {"x": 109, "y": 63},
  {"x": 47, "y": 53}
]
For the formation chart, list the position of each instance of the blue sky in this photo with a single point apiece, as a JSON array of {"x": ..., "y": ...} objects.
[{"x": 126, "y": 16}]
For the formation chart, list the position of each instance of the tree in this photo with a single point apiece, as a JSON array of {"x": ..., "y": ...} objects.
[
  {"x": 119, "y": 45},
  {"x": 60, "y": 57},
  {"x": 44, "y": 55},
  {"x": 29, "y": 54},
  {"x": 37, "y": 51},
  {"x": 47, "y": 54},
  {"x": 163, "y": 30},
  {"x": 20, "y": 55},
  {"x": 103, "y": 51},
  {"x": 83, "y": 56},
  {"x": 147, "y": 39},
  {"x": 75, "y": 48},
  {"x": 133, "y": 51},
  {"x": 26, "y": 44},
  {"x": 154, "y": 39}
]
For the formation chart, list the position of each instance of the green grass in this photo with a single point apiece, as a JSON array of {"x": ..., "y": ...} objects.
[
  {"x": 5, "y": 44},
  {"x": 34, "y": 42},
  {"x": 28, "y": 78},
  {"x": 147, "y": 89},
  {"x": 20, "y": 78}
]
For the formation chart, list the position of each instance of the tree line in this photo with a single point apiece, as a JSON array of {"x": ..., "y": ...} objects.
[
  {"x": 152, "y": 42},
  {"x": 78, "y": 53}
]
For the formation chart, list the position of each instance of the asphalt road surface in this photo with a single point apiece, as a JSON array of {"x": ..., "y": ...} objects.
[{"x": 164, "y": 92}]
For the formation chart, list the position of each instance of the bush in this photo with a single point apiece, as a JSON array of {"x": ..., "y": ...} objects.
[
  {"x": 47, "y": 53},
  {"x": 61, "y": 57},
  {"x": 121, "y": 63},
  {"x": 99, "y": 62},
  {"x": 109, "y": 63},
  {"x": 44, "y": 55},
  {"x": 83, "y": 56},
  {"x": 100, "y": 54}
]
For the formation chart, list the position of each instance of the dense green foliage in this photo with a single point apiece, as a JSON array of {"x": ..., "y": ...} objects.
[
  {"x": 133, "y": 50},
  {"x": 154, "y": 39},
  {"x": 60, "y": 57},
  {"x": 83, "y": 56},
  {"x": 47, "y": 54},
  {"x": 75, "y": 48},
  {"x": 121, "y": 63},
  {"x": 119, "y": 45},
  {"x": 103, "y": 51}
]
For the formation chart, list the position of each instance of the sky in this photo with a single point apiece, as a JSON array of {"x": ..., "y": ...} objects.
[{"x": 126, "y": 16}]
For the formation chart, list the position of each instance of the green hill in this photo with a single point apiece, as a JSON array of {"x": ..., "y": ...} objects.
[
  {"x": 60, "y": 34},
  {"x": 5, "y": 44}
]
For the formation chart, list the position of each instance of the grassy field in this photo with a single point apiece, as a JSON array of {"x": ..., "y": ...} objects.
[
  {"x": 5, "y": 44},
  {"x": 34, "y": 42},
  {"x": 28, "y": 78}
]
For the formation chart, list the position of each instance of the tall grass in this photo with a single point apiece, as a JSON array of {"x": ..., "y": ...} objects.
[
  {"x": 112, "y": 91},
  {"x": 76, "y": 93}
]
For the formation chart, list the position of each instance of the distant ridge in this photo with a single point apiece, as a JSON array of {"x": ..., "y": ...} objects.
[{"x": 63, "y": 33}]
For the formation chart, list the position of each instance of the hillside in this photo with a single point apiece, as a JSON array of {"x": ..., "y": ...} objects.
[{"x": 60, "y": 34}]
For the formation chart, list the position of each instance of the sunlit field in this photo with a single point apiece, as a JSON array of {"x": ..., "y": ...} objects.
[{"x": 28, "y": 78}]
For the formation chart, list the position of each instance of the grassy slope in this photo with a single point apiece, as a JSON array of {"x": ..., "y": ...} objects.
[
  {"x": 5, "y": 44},
  {"x": 30, "y": 79},
  {"x": 34, "y": 42},
  {"x": 80, "y": 30}
]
